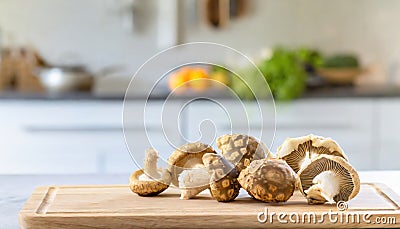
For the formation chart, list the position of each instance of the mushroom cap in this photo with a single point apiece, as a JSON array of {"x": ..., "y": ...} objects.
[
  {"x": 349, "y": 181},
  {"x": 149, "y": 186},
  {"x": 294, "y": 150},
  {"x": 186, "y": 157},
  {"x": 224, "y": 185},
  {"x": 268, "y": 180},
  {"x": 241, "y": 149}
]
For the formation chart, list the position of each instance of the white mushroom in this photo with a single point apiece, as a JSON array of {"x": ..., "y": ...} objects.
[
  {"x": 193, "y": 181},
  {"x": 187, "y": 169}
]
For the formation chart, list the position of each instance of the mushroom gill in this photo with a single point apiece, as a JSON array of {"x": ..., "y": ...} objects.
[
  {"x": 328, "y": 179},
  {"x": 298, "y": 152}
]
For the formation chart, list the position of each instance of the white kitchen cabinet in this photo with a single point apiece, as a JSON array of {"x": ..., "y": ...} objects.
[
  {"x": 56, "y": 136},
  {"x": 388, "y": 135},
  {"x": 75, "y": 137}
]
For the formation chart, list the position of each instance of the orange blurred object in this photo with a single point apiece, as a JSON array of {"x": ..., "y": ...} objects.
[
  {"x": 178, "y": 80},
  {"x": 189, "y": 77},
  {"x": 198, "y": 79}
]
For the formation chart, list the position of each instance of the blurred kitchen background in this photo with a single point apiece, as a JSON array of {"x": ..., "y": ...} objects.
[{"x": 333, "y": 68}]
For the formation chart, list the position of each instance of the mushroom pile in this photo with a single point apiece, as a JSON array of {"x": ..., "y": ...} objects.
[{"x": 316, "y": 165}]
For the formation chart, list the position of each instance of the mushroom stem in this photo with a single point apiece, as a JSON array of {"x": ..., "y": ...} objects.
[
  {"x": 189, "y": 193},
  {"x": 193, "y": 181},
  {"x": 326, "y": 185},
  {"x": 150, "y": 164}
]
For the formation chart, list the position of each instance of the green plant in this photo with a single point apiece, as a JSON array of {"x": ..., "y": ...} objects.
[
  {"x": 309, "y": 58},
  {"x": 285, "y": 72}
]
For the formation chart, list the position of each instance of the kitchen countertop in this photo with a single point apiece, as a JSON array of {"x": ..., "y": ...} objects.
[
  {"x": 352, "y": 91},
  {"x": 315, "y": 92},
  {"x": 17, "y": 188}
]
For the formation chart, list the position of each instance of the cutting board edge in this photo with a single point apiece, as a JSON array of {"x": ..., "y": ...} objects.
[{"x": 30, "y": 221}]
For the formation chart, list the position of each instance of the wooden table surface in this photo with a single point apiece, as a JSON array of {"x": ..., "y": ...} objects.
[{"x": 16, "y": 189}]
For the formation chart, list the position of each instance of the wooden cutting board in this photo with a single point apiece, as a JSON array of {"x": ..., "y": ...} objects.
[{"x": 117, "y": 207}]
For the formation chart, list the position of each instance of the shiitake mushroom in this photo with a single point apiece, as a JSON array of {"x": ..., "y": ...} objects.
[
  {"x": 268, "y": 180},
  {"x": 328, "y": 178},
  {"x": 150, "y": 181},
  {"x": 242, "y": 149},
  {"x": 224, "y": 186}
]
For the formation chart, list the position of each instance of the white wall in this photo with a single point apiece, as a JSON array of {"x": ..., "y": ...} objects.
[
  {"x": 367, "y": 27},
  {"x": 91, "y": 30}
]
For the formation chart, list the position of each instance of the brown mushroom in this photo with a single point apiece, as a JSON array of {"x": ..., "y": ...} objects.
[
  {"x": 187, "y": 169},
  {"x": 328, "y": 179},
  {"x": 298, "y": 152},
  {"x": 150, "y": 181},
  {"x": 224, "y": 186},
  {"x": 241, "y": 149},
  {"x": 268, "y": 180}
]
